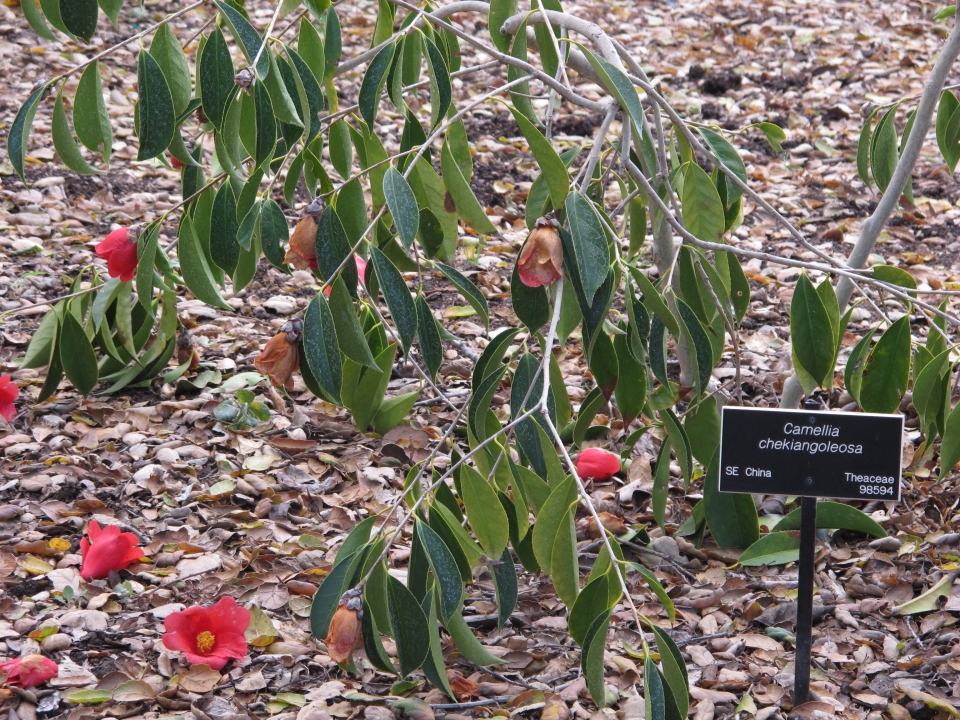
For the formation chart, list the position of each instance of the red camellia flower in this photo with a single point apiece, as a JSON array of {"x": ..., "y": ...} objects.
[
  {"x": 8, "y": 393},
  {"x": 107, "y": 549},
  {"x": 209, "y": 635},
  {"x": 597, "y": 464},
  {"x": 176, "y": 164},
  {"x": 28, "y": 671},
  {"x": 361, "y": 271},
  {"x": 541, "y": 259},
  {"x": 119, "y": 248}
]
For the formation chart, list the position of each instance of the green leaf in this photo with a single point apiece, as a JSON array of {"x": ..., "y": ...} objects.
[
  {"x": 224, "y": 248},
  {"x": 20, "y": 130},
  {"x": 731, "y": 517},
  {"x": 372, "y": 643},
  {"x": 552, "y": 514},
  {"x": 280, "y": 97},
  {"x": 658, "y": 590},
  {"x": 326, "y": 598},
  {"x": 77, "y": 357},
  {"x": 80, "y": 17},
  {"x": 551, "y": 166},
  {"x": 887, "y": 369},
  {"x": 146, "y": 264},
  {"x": 591, "y": 253},
  {"x": 90, "y": 119},
  {"x": 485, "y": 514},
  {"x": 196, "y": 272},
  {"x": 431, "y": 346},
  {"x": 64, "y": 143},
  {"x": 654, "y": 698},
  {"x": 445, "y": 569},
  {"x": 835, "y": 516},
  {"x": 883, "y": 149},
  {"x": 950, "y": 443},
  {"x": 731, "y": 160},
  {"x": 320, "y": 346},
  {"x": 702, "y": 424},
  {"x": 372, "y": 84},
  {"x": 247, "y": 37},
  {"x": 266, "y": 125},
  {"x": 156, "y": 112},
  {"x": 853, "y": 372},
  {"x": 409, "y": 626},
  {"x": 590, "y": 604},
  {"x": 393, "y": 410},
  {"x": 631, "y": 390},
  {"x": 591, "y": 659},
  {"x": 700, "y": 204},
  {"x": 44, "y": 338},
  {"x": 674, "y": 669},
  {"x": 217, "y": 86},
  {"x": 697, "y": 337},
  {"x": 863, "y": 148},
  {"x": 895, "y": 276},
  {"x": 467, "y": 643},
  {"x": 811, "y": 331},
  {"x": 440, "y": 89},
  {"x": 653, "y": 300},
  {"x": 111, "y": 9},
  {"x": 166, "y": 50},
  {"x": 395, "y": 292},
  {"x": 332, "y": 248},
  {"x": 500, "y": 12},
  {"x": 274, "y": 232},
  {"x": 350, "y": 337},
  {"x": 470, "y": 292},
  {"x": 31, "y": 11},
  {"x": 948, "y": 129},
  {"x": 530, "y": 304},
  {"x": 505, "y": 582},
  {"x": 310, "y": 48},
  {"x": 928, "y": 395},
  {"x": 466, "y": 202},
  {"x": 402, "y": 205},
  {"x": 777, "y": 548},
  {"x": 774, "y": 134}
]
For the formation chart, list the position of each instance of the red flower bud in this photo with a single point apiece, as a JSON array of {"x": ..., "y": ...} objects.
[
  {"x": 28, "y": 671},
  {"x": 119, "y": 248},
  {"x": 8, "y": 393},
  {"x": 361, "y": 271},
  {"x": 541, "y": 259},
  {"x": 345, "y": 629},
  {"x": 281, "y": 356},
  {"x": 107, "y": 549},
  {"x": 209, "y": 635},
  {"x": 175, "y": 163},
  {"x": 597, "y": 464}
]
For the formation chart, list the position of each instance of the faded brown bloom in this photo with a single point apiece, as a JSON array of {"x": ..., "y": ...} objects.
[
  {"x": 245, "y": 78},
  {"x": 281, "y": 355},
  {"x": 464, "y": 688},
  {"x": 302, "y": 251},
  {"x": 187, "y": 349},
  {"x": 541, "y": 259},
  {"x": 587, "y": 527},
  {"x": 345, "y": 629}
]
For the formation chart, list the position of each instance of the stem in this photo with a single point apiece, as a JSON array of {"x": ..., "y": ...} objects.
[
  {"x": 51, "y": 303},
  {"x": 266, "y": 34}
]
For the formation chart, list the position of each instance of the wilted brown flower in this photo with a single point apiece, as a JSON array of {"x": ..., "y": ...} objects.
[
  {"x": 464, "y": 688},
  {"x": 541, "y": 259},
  {"x": 281, "y": 355},
  {"x": 345, "y": 629},
  {"x": 187, "y": 349},
  {"x": 244, "y": 78},
  {"x": 587, "y": 527},
  {"x": 302, "y": 251}
]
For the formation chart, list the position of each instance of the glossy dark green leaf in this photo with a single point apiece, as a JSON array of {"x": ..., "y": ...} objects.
[
  {"x": 732, "y": 517},
  {"x": 467, "y": 643},
  {"x": 778, "y": 548},
  {"x": 156, "y": 111},
  {"x": 402, "y": 205},
  {"x": 274, "y": 232},
  {"x": 895, "y": 276},
  {"x": 247, "y": 37},
  {"x": 431, "y": 347},
  {"x": 883, "y": 149},
  {"x": 440, "y": 89},
  {"x": 591, "y": 254},
  {"x": 430, "y": 233},
  {"x": 409, "y": 626},
  {"x": 20, "y": 129},
  {"x": 193, "y": 264},
  {"x": 697, "y": 336},
  {"x": 603, "y": 365},
  {"x": 445, "y": 570},
  {"x": 310, "y": 49},
  {"x": 147, "y": 246},
  {"x": 224, "y": 248},
  {"x": 590, "y": 604},
  {"x": 863, "y": 148},
  {"x": 166, "y": 50},
  {"x": 80, "y": 17},
  {"x": 811, "y": 333},
  {"x": 552, "y": 514},
  {"x": 320, "y": 346},
  {"x": 266, "y": 138},
  {"x": 674, "y": 669},
  {"x": 729, "y": 157},
  {"x": 332, "y": 248},
  {"x": 654, "y": 698},
  {"x": 468, "y": 207},
  {"x": 700, "y": 204},
  {"x": 402, "y": 308},
  {"x": 470, "y": 292},
  {"x": 90, "y": 119},
  {"x": 950, "y": 443},
  {"x": 485, "y": 514},
  {"x": 350, "y": 336},
  {"x": 631, "y": 390},
  {"x": 373, "y": 645},
  {"x": 34, "y": 16},
  {"x": 853, "y": 371},
  {"x": 505, "y": 582},
  {"x": 702, "y": 424},
  {"x": 433, "y": 667},
  {"x": 312, "y": 90},
  {"x": 948, "y": 129},
  {"x": 77, "y": 357},
  {"x": 887, "y": 369},
  {"x": 530, "y": 304},
  {"x": 64, "y": 143},
  {"x": 835, "y": 516},
  {"x": 372, "y": 84},
  {"x": 500, "y": 12},
  {"x": 591, "y": 659},
  {"x": 217, "y": 85},
  {"x": 327, "y": 596}
]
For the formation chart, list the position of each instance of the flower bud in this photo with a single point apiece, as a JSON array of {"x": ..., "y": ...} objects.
[
  {"x": 345, "y": 629},
  {"x": 244, "y": 78},
  {"x": 541, "y": 259}
]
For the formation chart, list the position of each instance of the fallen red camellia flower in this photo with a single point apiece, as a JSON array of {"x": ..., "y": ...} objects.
[
  {"x": 597, "y": 464},
  {"x": 28, "y": 671},
  {"x": 209, "y": 635},
  {"x": 361, "y": 271},
  {"x": 345, "y": 628},
  {"x": 107, "y": 549},
  {"x": 119, "y": 248},
  {"x": 280, "y": 357},
  {"x": 541, "y": 258},
  {"x": 8, "y": 393}
]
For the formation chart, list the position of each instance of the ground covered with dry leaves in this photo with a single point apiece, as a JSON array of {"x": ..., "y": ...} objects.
[{"x": 259, "y": 514}]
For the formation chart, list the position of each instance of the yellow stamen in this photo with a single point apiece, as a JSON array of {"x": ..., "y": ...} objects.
[{"x": 205, "y": 641}]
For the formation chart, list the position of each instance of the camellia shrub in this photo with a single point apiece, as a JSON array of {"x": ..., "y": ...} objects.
[{"x": 627, "y": 246}]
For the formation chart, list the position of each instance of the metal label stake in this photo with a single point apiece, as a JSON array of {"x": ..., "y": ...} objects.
[{"x": 810, "y": 454}]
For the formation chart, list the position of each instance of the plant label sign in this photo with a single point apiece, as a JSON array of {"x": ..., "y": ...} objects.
[{"x": 853, "y": 456}]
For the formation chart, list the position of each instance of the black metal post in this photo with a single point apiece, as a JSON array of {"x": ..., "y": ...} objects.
[{"x": 808, "y": 534}]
